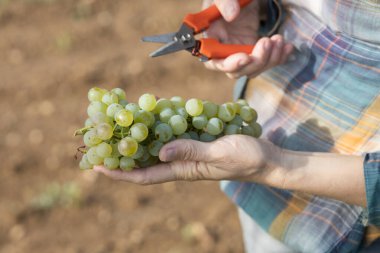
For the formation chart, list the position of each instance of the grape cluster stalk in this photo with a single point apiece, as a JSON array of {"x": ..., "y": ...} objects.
[{"x": 123, "y": 135}]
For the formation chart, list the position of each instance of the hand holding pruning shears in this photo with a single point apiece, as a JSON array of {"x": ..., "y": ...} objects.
[{"x": 229, "y": 46}]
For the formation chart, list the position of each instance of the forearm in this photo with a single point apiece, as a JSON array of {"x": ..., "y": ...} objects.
[{"x": 330, "y": 175}]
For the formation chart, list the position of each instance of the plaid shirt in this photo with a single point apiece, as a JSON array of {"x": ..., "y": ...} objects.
[{"x": 325, "y": 99}]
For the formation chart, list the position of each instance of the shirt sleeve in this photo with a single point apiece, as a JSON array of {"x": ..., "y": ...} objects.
[{"x": 372, "y": 184}]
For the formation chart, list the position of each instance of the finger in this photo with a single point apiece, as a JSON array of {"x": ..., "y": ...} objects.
[
  {"x": 277, "y": 52},
  {"x": 186, "y": 150},
  {"x": 232, "y": 63},
  {"x": 153, "y": 175},
  {"x": 258, "y": 60},
  {"x": 228, "y": 8},
  {"x": 288, "y": 49}
]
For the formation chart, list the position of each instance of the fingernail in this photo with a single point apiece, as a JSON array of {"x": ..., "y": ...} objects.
[{"x": 170, "y": 154}]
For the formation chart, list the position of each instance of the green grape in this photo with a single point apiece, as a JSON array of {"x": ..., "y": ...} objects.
[
  {"x": 152, "y": 160},
  {"x": 140, "y": 152},
  {"x": 178, "y": 124},
  {"x": 242, "y": 102},
  {"x": 257, "y": 129},
  {"x": 248, "y": 130},
  {"x": 184, "y": 136},
  {"x": 96, "y": 94},
  {"x": 182, "y": 111},
  {"x": 232, "y": 129},
  {"x": 132, "y": 107},
  {"x": 110, "y": 98},
  {"x": 145, "y": 117},
  {"x": 194, "y": 135},
  {"x": 248, "y": 114},
  {"x": 111, "y": 163},
  {"x": 127, "y": 163},
  {"x": 166, "y": 114},
  {"x": 236, "y": 121},
  {"x": 178, "y": 102},
  {"x": 156, "y": 123},
  {"x": 146, "y": 155},
  {"x": 120, "y": 93},
  {"x": 147, "y": 102},
  {"x": 210, "y": 109},
  {"x": 100, "y": 117},
  {"x": 84, "y": 164},
  {"x": 93, "y": 157},
  {"x": 162, "y": 103},
  {"x": 226, "y": 112},
  {"x": 199, "y": 122},
  {"x": 124, "y": 118},
  {"x": 205, "y": 137},
  {"x": 154, "y": 147},
  {"x": 194, "y": 107},
  {"x": 90, "y": 138},
  {"x": 95, "y": 107},
  {"x": 115, "y": 151},
  {"x": 123, "y": 102},
  {"x": 104, "y": 131},
  {"x": 104, "y": 150},
  {"x": 89, "y": 123},
  {"x": 236, "y": 107},
  {"x": 139, "y": 132},
  {"x": 112, "y": 109},
  {"x": 214, "y": 126},
  {"x": 163, "y": 132},
  {"x": 127, "y": 146}
]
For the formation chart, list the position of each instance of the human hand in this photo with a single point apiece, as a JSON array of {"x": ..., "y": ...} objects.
[
  {"x": 241, "y": 27},
  {"x": 236, "y": 157}
]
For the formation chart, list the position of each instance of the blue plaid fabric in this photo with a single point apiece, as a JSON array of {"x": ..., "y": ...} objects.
[{"x": 325, "y": 99}]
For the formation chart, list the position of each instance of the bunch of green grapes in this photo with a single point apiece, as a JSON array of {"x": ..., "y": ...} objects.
[{"x": 119, "y": 134}]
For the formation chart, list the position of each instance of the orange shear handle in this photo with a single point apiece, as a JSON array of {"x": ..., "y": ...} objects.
[
  {"x": 201, "y": 21},
  {"x": 213, "y": 49}
]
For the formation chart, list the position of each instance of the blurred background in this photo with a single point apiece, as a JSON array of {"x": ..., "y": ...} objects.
[{"x": 51, "y": 53}]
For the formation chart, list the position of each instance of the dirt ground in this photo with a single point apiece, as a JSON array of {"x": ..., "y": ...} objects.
[{"x": 51, "y": 53}]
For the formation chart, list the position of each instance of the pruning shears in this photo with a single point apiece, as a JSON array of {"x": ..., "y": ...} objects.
[{"x": 204, "y": 48}]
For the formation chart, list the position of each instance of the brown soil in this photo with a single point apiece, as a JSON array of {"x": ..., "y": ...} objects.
[{"x": 52, "y": 52}]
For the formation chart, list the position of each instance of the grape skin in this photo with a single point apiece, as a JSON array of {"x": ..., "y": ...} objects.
[
  {"x": 155, "y": 147},
  {"x": 127, "y": 163},
  {"x": 104, "y": 131},
  {"x": 104, "y": 150},
  {"x": 214, "y": 126},
  {"x": 178, "y": 124},
  {"x": 139, "y": 132},
  {"x": 111, "y": 163},
  {"x": 127, "y": 146},
  {"x": 194, "y": 107},
  {"x": 163, "y": 132},
  {"x": 124, "y": 118},
  {"x": 147, "y": 102}
]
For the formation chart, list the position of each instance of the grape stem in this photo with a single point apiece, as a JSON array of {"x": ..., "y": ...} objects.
[{"x": 82, "y": 131}]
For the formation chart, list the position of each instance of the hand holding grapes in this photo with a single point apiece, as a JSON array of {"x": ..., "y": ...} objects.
[
  {"x": 230, "y": 157},
  {"x": 241, "y": 27}
]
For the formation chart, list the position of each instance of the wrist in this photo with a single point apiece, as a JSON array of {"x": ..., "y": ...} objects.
[{"x": 274, "y": 172}]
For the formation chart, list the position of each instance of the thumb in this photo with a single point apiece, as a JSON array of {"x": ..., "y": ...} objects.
[
  {"x": 189, "y": 150},
  {"x": 228, "y": 8}
]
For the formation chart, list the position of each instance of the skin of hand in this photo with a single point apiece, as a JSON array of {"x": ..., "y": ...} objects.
[
  {"x": 244, "y": 158},
  {"x": 224, "y": 158},
  {"x": 240, "y": 26}
]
